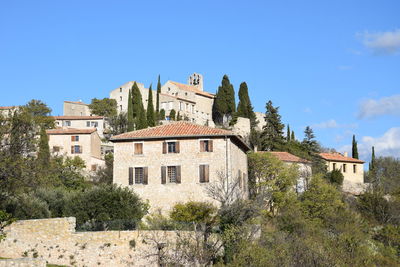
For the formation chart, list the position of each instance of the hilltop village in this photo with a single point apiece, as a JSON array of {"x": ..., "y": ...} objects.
[{"x": 165, "y": 161}]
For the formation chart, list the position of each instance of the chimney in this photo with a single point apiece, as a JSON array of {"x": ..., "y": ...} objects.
[{"x": 345, "y": 154}]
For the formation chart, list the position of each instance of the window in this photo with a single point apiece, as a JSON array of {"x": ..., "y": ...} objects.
[
  {"x": 88, "y": 124},
  {"x": 75, "y": 138},
  {"x": 344, "y": 167},
  {"x": 56, "y": 149},
  {"x": 138, "y": 148},
  {"x": 187, "y": 107},
  {"x": 120, "y": 107},
  {"x": 67, "y": 123},
  {"x": 334, "y": 166},
  {"x": 93, "y": 167},
  {"x": 354, "y": 168},
  {"x": 120, "y": 98},
  {"x": 120, "y": 89},
  {"x": 94, "y": 124},
  {"x": 206, "y": 145},
  {"x": 138, "y": 175},
  {"x": 204, "y": 173},
  {"x": 171, "y": 147},
  {"x": 193, "y": 109},
  {"x": 76, "y": 149},
  {"x": 171, "y": 174},
  {"x": 180, "y": 106}
]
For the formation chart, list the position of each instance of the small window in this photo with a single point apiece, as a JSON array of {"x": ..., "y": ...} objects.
[
  {"x": 88, "y": 124},
  {"x": 75, "y": 138},
  {"x": 180, "y": 106},
  {"x": 67, "y": 123},
  {"x": 334, "y": 166},
  {"x": 172, "y": 174},
  {"x": 344, "y": 167},
  {"x": 206, "y": 145},
  {"x": 120, "y": 107},
  {"x": 204, "y": 173},
  {"x": 138, "y": 175},
  {"x": 76, "y": 149},
  {"x": 354, "y": 168},
  {"x": 56, "y": 149},
  {"x": 138, "y": 148},
  {"x": 120, "y": 98},
  {"x": 120, "y": 89},
  {"x": 94, "y": 124}
]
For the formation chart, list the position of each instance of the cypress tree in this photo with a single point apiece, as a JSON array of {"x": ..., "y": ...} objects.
[
  {"x": 131, "y": 120},
  {"x": 43, "y": 156},
  {"x": 224, "y": 103},
  {"x": 292, "y": 137},
  {"x": 178, "y": 117},
  {"x": 150, "y": 109},
  {"x": 354, "y": 149},
  {"x": 309, "y": 140},
  {"x": 172, "y": 114},
  {"x": 158, "y": 99},
  {"x": 272, "y": 135},
  {"x": 288, "y": 133},
  {"x": 372, "y": 163},
  {"x": 162, "y": 114},
  {"x": 245, "y": 109},
  {"x": 139, "y": 113}
]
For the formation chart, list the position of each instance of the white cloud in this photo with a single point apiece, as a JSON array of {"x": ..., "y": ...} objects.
[
  {"x": 386, "y": 145},
  {"x": 382, "y": 42},
  {"x": 329, "y": 124},
  {"x": 371, "y": 108}
]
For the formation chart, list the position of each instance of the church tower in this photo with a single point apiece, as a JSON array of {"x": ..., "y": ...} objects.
[{"x": 196, "y": 80}]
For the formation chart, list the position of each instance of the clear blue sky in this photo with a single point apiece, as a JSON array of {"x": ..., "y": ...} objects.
[{"x": 333, "y": 66}]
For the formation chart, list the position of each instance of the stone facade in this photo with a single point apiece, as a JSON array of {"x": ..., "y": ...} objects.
[
  {"x": 84, "y": 143},
  {"x": 227, "y": 159},
  {"x": 82, "y": 122},
  {"x": 76, "y": 108},
  {"x": 121, "y": 94},
  {"x": 55, "y": 241}
]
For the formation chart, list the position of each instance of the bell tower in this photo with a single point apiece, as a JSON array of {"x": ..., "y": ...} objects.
[{"x": 196, "y": 80}]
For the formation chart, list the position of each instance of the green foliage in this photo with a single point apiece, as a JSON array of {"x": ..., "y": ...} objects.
[
  {"x": 375, "y": 207},
  {"x": 162, "y": 114},
  {"x": 309, "y": 141},
  {"x": 172, "y": 114},
  {"x": 354, "y": 149},
  {"x": 118, "y": 124},
  {"x": 224, "y": 105},
  {"x": 272, "y": 134},
  {"x": 26, "y": 206},
  {"x": 5, "y": 220},
  {"x": 138, "y": 111},
  {"x": 157, "y": 221},
  {"x": 106, "y": 207},
  {"x": 385, "y": 173},
  {"x": 130, "y": 115},
  {"x": 104, "y": 175},
  {"x": 151, "y": 117},
  {"x": 194, "y": 212},
  {"x": 372, "y": 163},
  {"x": 106, "y": 107},
  {"x": 158, "y": 95},
  {"x": 288, "y": 133},
  {"x": 335, "y": 177},
  {"x": 40, "y": 113},
  {"x": 245, "y": 109},
  {"x": 178, "y": 117},
  {"x": 43, "y": 157},
  {"x": 292, "y": 137}
]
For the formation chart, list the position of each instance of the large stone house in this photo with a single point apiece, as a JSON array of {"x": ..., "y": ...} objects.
[
  {"x": 351, "y": 168},
  {"x": 84, "y": 143},
  {"x": 178, "y": 162},
  {"x": 190, "y": 100},
  {"x": 76, "y": 108},
  {"x": 82, "y": 122}
]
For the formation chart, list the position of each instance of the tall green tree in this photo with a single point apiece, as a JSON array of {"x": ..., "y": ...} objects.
[
  {"x": 224, "y": 105},
  {"x": 131, "y": 119},
  {"x": 151, "y": 120},
  {"x": 309, "y": 140},
  {"x": 139, "y": 113},
  {"x": 43, "y": 156},
  {"x": 292, "y": 137},
  {"x": 354, "y": 150},
  {"x": 158, "y": 99},
  {"x": 40, "y": 113},
  {"x": 245, "y": 109},
  {"x": 372, "y": 163},
  {"x": 106, "y": 107},
  {"x": 172, "y": 114},
  {"x": 272, "y": 134},
  {"x": 288, "y": 133}
]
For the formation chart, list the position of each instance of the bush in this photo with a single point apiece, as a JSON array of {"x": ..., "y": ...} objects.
[
  {"x": 27, "y": 206},
  {"x": 335, "y": 177},
  {"x": 193, "y": 212}
]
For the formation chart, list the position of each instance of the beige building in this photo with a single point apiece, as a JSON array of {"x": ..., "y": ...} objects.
[
  {"x": 179, "y": 162},
  {"x": 352, "y": 170},
  {"x": 82, "y": 122},
  {"x": 71, "y": 142},
  {"x": 192, "y": 103},
  {"x": 76, "y": 108},
  {"x": 5, "y": 111}
]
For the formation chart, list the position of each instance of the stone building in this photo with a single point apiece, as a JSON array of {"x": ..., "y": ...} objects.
[
  {"x": 178, "y": 162},
  {"x": 351, "y": 168},
  {"x": 84, "y": 143},
  {"x": 5, "y": 111},
  {"x": 190, "y": 100},
  {"x": 82, "y": 122},
  {"x": 76, "y": 108}
]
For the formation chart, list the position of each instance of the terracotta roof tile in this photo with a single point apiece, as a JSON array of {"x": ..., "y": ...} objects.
[
  {"x": 338, "y": 157},
  {"x": 78, "y": 117},
  {"x": 191, "y": 88},
  {"x": 71, "y": 131},
  {"x": 7, "y": 108},
  {"x": 174, "y": 129},
  {"x": 286, "y": 156}
]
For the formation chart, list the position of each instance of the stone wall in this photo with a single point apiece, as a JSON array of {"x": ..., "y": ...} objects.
[
  {"x": 55, "y": 241},
  {"x": 23, "y": 262}
]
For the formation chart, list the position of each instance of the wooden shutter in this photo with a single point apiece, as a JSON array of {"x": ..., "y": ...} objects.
[
  {"x": 206, "y": 173},
  {"x": 138, "y": 148},
  {"x": 201, "y": 146},
  {"x": 178, "y": 174},
  {"x": 164, "y": 147},
  {"x": 201, "y": 173},
  {"x": 72, "y": 149},
  {"x": 240, "y": 178},
  {"x": 145, "y": 175},
  {"x": 210, "y": 145},
  {"x": 130, "y": 175},
  {"x": 177, "y": 149},
  {"x": 163, "y": 174},
  {"x": 73, "y": 138},
  {"x": 80, "y": 149}
]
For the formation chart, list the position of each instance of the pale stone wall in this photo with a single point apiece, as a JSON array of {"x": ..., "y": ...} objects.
[
  {"x": 242, "y": 127},
  {"x": 23, "y": 262},
  {"x": 76, "y": 109},
  {"x": 353, "y": 182},
  {"x": 91, "y": 147},
  {"x": 55, "y": 241},
  {"x": 164, "y": 196},
  {"x": 82, "y": 124},
  {"x": 261, "y": 121}
]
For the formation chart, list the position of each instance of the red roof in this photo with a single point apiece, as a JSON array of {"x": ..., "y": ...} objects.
[
  {"x": 286, "y": 156},
  {"x": 338, "y": 157},
  {"x": 78, "y": 117},
  {"x": 7, "y": 108},
  {"x": 191, "y": 88},
  {"x": 71, "y": 131}
]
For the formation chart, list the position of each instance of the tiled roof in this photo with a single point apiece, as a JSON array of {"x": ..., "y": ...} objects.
[
  {"x": 71, "y": 131},
  {"x": 190, "y": 88},
  {"x": 76, "y": 102},
  {"x": 338, "y": 157},
  {"x": 7, "y": 108},
  {"x": 78, "y": 117},
  {"x": 286, "y": 156}
]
